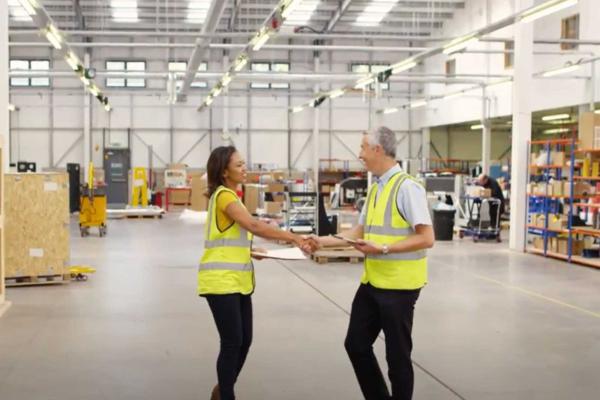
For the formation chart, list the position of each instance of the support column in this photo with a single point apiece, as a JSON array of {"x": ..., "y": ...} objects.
[
  {"x": 486, "y": 135},
  {"x": 4, "y": 133},
  {"x": 521, "y": 131},
  {"x": 87, "y": 122},
  {"x": 425, "y": 148},
  {"x": 315, "y": 142}
]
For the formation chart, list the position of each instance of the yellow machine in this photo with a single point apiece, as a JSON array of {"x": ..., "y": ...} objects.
[
  {"x": 81, "y": 272},
  {"x": 139, "y": 193},
  {"x": 93, "y": 206}
]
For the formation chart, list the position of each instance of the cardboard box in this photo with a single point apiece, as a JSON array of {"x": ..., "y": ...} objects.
[
  {"x": 538, "y": 243},
  {"x": 277, "y": 176},
  {"x": 557, "y": 221},
  {"x": 273, "y": 207},
  {"x": 176, "y": 166},
  {"x": 558, "y": 158},
  {"x": 589, "y": 130},
  {"x": 477, "y": 191},
  {"x": 542, "y": 189},
  {"x": 557, "y": 187},
  {"x": 199, "y": 187},
  {"x": 253, "y": 196},
  {"x": 579, "y": 188},
  {"x": 36, "y": 224},
  {"x": 562, "y": 246}
]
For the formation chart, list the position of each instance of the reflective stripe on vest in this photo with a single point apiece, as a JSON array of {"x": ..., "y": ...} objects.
[
  {"x": 226, "y": 265},
  {"x": 394, "y": 270}
]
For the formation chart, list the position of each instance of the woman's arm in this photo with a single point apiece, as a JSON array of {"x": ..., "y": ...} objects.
[{"x": 239, "y": 214}]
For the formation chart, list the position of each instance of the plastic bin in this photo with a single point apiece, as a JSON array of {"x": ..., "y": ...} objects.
[{"x": 443, "y": 224}]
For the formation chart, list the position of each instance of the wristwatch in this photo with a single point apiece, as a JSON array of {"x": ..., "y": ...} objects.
[{"x": 385, "y": 249}]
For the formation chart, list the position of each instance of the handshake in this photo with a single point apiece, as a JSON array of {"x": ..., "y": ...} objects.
[{"x": 308, "y": 244}]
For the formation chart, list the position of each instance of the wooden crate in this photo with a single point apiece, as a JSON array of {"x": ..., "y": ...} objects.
[
  {"x": 338, "y": 254},
  {"x": 37, "y": 225}
]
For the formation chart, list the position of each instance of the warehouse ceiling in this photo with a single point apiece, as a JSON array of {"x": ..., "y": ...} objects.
[{"x": 410, "y": 17}]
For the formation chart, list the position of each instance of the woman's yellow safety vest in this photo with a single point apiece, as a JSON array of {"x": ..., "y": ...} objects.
[
  {"x": 385, "y": 225},
  {"x": 226, "y": 265}
]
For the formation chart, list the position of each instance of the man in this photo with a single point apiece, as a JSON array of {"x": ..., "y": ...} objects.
[
  {"x": 492, "y": 184},
  {"x": 393, "y": 232}
]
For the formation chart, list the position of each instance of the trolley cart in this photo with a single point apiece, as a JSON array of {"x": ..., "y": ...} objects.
[{"x": 478, "y": 227}]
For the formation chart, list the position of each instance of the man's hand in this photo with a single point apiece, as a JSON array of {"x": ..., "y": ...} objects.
[
  {"x": 310, "y": 244},
  {"x": 366, "y": 247}
]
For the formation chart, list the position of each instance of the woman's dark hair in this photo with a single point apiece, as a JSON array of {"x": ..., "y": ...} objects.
[{"x": 216, "y": 166}]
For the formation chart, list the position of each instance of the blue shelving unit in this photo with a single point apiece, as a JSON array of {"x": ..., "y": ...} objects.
[{"x": 548, "y": 204}]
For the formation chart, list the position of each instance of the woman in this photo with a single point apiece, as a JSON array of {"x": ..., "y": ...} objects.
[{"x": 226, "y": 273}]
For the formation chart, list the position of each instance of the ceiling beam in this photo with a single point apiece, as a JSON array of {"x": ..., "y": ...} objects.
[
  {"x": 201, "y": 50},
  {"x": 344, "y": 4}
]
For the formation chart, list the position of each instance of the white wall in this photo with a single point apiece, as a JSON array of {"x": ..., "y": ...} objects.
[
  {"x": 547, "y": 93},
  {"x": 50, "y": 121}
]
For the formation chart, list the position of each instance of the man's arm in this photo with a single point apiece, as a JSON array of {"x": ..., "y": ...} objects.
[
  {"x": 423, "y": 238},
  {"x": 329, "y": 241}
]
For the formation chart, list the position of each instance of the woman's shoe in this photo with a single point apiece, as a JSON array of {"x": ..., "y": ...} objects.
[{"x": 216, "y": 395}]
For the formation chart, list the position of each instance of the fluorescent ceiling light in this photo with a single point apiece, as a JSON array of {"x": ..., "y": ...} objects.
[
  {"x": 597, "y": 111},
  {"x": 226, "y": 79},
  {"x": 72, "y": 60},
  {"x": 460, "y": 43},
  {"x": 362, "y": 82},
  {"x": 11, "y": 107},
  {"x": 561, "y": 70},
  {"x": 403, "y": 66},
  {"x": 476, "y": 127},
  {"x": 124, "y": 10},
  {"x": 94, "y": 90},
  {"x": 260, "y": 39},
  {"x": 216, "y": 91},
  {"x": 297, "y": 109},
  {"x": 336, "y": 93},
  {"x": 209, "y": 100},
  {"x": 418, "y": 103},
  {"x": 556, "y": 130},
  {"x": 555, "y": 117},
  {"x": 107, "y": 108},
  {"x": 240, "y": 62},
  {"x": 546, "y": 8},
  {"x": 390, "y": 110},
  {"x": 53, "y": 36}
]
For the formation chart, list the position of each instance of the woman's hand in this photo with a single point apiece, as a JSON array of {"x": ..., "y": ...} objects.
[
  {"x": 307, "y": 244},
  {"x": 259, "y": 251}
]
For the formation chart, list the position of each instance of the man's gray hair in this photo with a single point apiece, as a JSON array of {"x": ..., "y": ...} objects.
[{"x": 384, "y": 137}]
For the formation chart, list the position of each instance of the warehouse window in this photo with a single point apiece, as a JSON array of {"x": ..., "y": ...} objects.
[
  {"x": 270, "y": 67},
  {"x": 368, "y": 68},
  {"x": 181, "y": 66},
  {"x": 30, "y": 65},
  {"x": 451, "y": 67},
  {"x": 128, "y": 66},
  {"x": 569, "y": 30},
  {"x": 509, "y": 58}
]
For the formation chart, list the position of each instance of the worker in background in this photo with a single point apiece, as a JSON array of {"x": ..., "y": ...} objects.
[
  {"x": 393, "y": 232},
  {"x": 492, "y": 184},
  {"x": 226, "y": 272}
]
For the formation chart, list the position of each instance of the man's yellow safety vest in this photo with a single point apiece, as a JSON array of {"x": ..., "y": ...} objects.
[
  {"x": 226, "y": 265},
  {"x": 385, "y": 225}
]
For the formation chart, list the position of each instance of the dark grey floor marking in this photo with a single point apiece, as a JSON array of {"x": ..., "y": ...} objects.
[{"x": 431, "y": 375}]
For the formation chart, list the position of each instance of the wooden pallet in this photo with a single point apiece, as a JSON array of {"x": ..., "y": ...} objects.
[
  {"x": 338, "y": 255},
  {"x": 37, "y": 280},
  {"x": 143, "y": 216}
]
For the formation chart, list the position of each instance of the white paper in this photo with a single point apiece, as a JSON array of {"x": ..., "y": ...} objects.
[
  {"x": 292, "y": 253},
  {"x": 36, "y": 253},
  {"x": 50, "y": 186}
]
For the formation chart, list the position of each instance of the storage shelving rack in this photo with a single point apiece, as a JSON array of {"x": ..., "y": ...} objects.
[{"x": 548, "y": 204}]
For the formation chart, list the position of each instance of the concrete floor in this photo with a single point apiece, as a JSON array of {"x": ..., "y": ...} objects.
[{"x": 491, "y": 324}]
